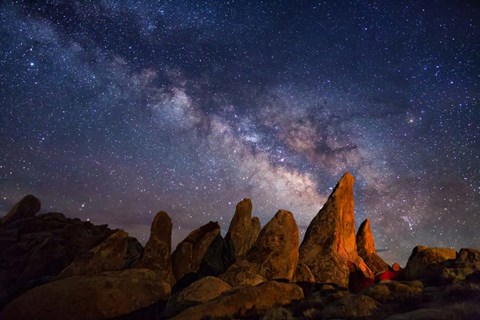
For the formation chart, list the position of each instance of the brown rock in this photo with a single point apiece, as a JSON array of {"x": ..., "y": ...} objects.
[
  {"x": 156, "y": 255},
  {"x": 189, "y": 253},
  {"x": 366, "y": 249},
  {"x": 117, "y": 252},
  {"x": 274, "y": 255},
  {"x": 243, "y": 230},
  {"x": 198, "y": 292},
  {"x": 101, "y": 296},
  {"x": 329, "y": 247},
  {"x": 245, "y": 301},
  {"x": 424, "y": 261},
  {"x": 28, "y": 206}
]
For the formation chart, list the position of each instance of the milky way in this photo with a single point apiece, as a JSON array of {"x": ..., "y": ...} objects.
[{"x": 114, "y": 110}]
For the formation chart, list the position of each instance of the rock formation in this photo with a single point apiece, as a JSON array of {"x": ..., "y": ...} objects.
[
  {"x": 274, "y": 255},
  {"x": 189, "y": 253},
  {"x": 28, "y": 206},
  {"x": 366, "y": 248},
  {"x": 34, "y": 249},
  {"x": 243, "y": 230},
  {"x": 156, "y": 255},
  {"x": 245, "y": 301},
  {"x": 94, "y": 297},
  {"x": 424, "y": 261},
  {"x": 329, "y": 247},
  {"x": 117, "y": 252}
]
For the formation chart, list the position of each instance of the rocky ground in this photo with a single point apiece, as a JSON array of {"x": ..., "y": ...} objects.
[{"x": 53, "y": 267}]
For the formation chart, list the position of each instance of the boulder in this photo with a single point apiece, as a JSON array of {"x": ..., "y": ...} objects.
[
  {"x": 189, "y": 253},
  {"x": 36, "y": 249},
  {"x": 243, "y": 230},
  {"x": 156, "y": 255},
  {"x": 426, "y": 262},
  {"x": 101, "y": 296},
  {"x": 366, "y": 249},
  {"x": 274, "y": 256},
  {"x": 117, "y": 252},
  {"x": 198, "y": 292},
  {"x": 27, "y": 207},
  {"x": 329, "y": 247},
  {"x": 245, "y": 301}
]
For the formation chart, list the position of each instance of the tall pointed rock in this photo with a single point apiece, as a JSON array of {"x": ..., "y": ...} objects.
[
  {"x": 366, "y": 248},
  {"x": 156, "y": 255},
  {"x": 244, "y": 229},
  {"x": 329, "y": 247}
]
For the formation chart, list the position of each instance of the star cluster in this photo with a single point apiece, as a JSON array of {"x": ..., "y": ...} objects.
[{"x": 113, "y": 110}]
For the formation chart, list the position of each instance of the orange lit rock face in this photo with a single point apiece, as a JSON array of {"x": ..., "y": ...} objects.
[
  {"x": 156, "y": 255},
  {"x": 243, "y": 230},
  {"x": 189, "y": 253},
  {"x": 329, "y": 248},
  {"x": 366, "y": 248}
]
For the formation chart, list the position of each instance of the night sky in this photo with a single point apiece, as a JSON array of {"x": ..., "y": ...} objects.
[{"x": 113, "y": 110}]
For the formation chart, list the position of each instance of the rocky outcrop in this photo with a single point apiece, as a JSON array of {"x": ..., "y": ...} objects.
[
  {"x": 189, "y": 253},
  {"x": 100, "y": 296},
  {"x": 198, "y": 292},
  {"x": 366, "y": 249},
  {"x": 425, "y": 261},
  {"x": 117, "y": 252},
  {"x": 329, "y": 247},
  {"x": 274, "y": 256},
  {"x": 27, "y": 207},
  {"x": 156, "y": 255},
  {"x": 245, "y": 301},
  {"x": 243, "y": 230},
  {"x": 35, "y": 249}
]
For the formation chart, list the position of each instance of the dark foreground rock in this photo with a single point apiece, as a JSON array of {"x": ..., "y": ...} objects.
[
  {"x": 101, "y": 296},
  {"x": 35, "y": 249}
]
